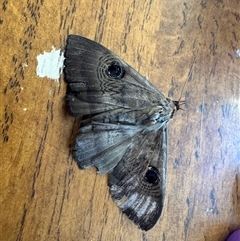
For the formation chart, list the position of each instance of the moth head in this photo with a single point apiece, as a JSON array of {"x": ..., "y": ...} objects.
[
  {"x": 177, "y": 107},
  {"x": 176, "y": 104}
]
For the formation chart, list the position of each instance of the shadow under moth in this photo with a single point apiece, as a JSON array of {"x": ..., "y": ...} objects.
[{"x": 125, "y": 132}]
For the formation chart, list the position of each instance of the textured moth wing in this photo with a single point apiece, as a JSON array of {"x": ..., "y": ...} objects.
[
  {"x": 126, "y": 135},
  {"x": 137, "y": 190}
]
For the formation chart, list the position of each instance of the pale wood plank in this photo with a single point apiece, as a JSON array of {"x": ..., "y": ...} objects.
[{"x": 45, "y": 196}]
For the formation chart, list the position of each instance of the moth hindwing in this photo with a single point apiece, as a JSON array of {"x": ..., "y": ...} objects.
[{"x": 126, "y": 135}]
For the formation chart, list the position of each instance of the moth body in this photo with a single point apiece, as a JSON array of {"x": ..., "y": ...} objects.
[{"x": 126, "y": 132}]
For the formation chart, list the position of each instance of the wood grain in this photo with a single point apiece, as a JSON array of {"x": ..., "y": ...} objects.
[{"x": 44, "y": 195}]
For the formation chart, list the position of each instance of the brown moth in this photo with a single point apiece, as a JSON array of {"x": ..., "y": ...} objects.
[{"x": 126, "y": 135}]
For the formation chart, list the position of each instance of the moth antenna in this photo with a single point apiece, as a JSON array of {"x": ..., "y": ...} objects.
[
  {"x": 188, "y": 78},
  {"x": 179, "y": 102}
]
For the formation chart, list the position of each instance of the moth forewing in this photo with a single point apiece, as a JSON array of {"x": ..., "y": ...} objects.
[{"x": 126, "y": 134}]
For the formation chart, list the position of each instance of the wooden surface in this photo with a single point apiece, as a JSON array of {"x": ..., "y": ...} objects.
[{"x": 44, "y": 195}]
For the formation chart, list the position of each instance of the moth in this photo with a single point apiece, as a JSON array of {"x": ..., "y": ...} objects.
[{"x": 124, "y": 133}]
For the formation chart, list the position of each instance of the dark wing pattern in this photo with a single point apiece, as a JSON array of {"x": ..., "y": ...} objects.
[
  {"x": 138, "y": 182},
  {"x": 126, "y": 134},
  {"x": 92, "y": 90},
  {"x": 103, "y": 145}
]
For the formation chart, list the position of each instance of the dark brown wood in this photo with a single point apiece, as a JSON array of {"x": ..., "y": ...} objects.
[{"x": 45, "y": 196}]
